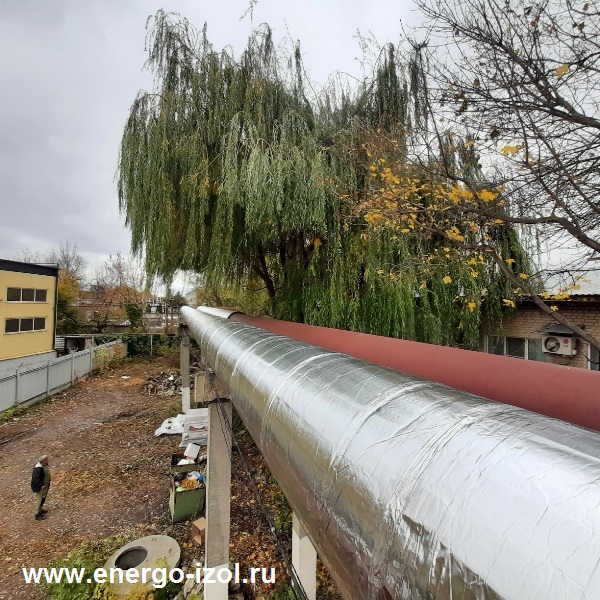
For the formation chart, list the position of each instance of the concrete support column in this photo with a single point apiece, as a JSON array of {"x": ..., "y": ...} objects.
[
  {"x": 185, "y": 368},
  {"x": 304, "y": 559},
  {"x": 218, "y": 496},
  {"x": 48, "y": 367}
]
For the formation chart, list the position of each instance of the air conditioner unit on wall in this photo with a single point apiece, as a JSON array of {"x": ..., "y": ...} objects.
[{"x": 559, "y": 344}]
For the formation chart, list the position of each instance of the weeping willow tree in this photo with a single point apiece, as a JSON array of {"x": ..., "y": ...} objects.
[{"x": 227, "y": 169}]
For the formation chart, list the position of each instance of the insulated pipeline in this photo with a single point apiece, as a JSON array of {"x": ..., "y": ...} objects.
[
  {"x": 566, "y": 393},
  {"x": 409, "y": 489}
]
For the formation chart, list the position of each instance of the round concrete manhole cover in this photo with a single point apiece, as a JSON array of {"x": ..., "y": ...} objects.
[{"x": 150, "y": 552}]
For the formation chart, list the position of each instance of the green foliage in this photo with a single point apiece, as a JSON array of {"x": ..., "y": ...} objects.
[
  {"x": 94, "y": 555},
  {"x": 230, "y": 171},
  {"x": 67, "y": 319},
  {"x": 282, "y": 592},
  {"x": 178, "y": 300},
  {"x": 169, "y": 349},
  {"x": 141, "y": 345},
  {"x": 168, "y": 592},
  {"x": 77, "y": 559},
  {"x": 88, "y": 557},
  {"x": 251, "y": 298},
  {"x": 135, "y": 314},
  {"x": 283, "y": 521},
  {"x": 11, "y": 413}
]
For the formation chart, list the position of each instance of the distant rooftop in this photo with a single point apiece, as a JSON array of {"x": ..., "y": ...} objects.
[
  {"x": 31, "y": 268},
  {"x": 586, "y": 281}
]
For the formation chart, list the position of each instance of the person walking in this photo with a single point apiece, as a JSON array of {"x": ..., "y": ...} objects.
[{"x": 40, "y": 484}]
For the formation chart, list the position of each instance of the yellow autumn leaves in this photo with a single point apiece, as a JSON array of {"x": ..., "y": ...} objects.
[
  {"x": 415, "y": 209},
  {"x": 508, "y": 150},
  {"x": 408, "y": 204},
  {"x": 487, "y": 195},
  {"x": 454, "y": 234}
]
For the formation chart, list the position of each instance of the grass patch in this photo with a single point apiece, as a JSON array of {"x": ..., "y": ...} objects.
[
  {"x": 89, "y": 557},
  {"x": 20, "y": 410},
  {"x": 282, "y": 592},
  {"x": 10, "y": 413}
]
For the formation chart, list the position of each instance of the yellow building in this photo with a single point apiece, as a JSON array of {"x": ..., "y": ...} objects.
[{"x": 27, "y": 311}]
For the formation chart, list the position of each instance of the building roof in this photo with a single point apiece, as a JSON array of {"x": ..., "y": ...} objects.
[
  {"x": 31, "y": 268},
  {"x": 578, "y": 283}
]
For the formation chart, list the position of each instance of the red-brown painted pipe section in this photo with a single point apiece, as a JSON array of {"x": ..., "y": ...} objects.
[{"x": 565, "y": 393}]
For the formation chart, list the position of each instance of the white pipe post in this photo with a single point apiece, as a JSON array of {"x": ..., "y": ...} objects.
[
  {"x": 304, "y": 559},
  {"x": 184, "y": 353},
  {"x": 195, "y": 389},
  {"x": 17, "y": 385},
  {"x": 218, "y": 497}
]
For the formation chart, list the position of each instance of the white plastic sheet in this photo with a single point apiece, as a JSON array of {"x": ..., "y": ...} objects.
[{"x": 171, "y": 426}]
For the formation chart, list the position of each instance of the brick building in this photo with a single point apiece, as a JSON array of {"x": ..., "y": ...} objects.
[{"x": 522, "y": 332}]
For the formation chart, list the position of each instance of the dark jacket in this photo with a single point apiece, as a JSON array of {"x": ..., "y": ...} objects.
[{"x": 37, "y": 479}]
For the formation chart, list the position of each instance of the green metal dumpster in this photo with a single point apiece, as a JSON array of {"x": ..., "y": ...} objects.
[{"x": 185, "y": 504}]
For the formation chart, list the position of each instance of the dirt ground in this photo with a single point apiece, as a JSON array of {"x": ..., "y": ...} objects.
[
  {"x": 109, "y": 477},
  {"x": 108, "y": 470}
]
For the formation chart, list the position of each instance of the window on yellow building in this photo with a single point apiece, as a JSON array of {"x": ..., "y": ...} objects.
[
  {"x": 25, "y": 324},
  {"x": 12, "y": 325},
  {"x": 26, "y": 295}
]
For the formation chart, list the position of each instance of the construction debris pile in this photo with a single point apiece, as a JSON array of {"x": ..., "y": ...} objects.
[{"x": 168, "y": 383}]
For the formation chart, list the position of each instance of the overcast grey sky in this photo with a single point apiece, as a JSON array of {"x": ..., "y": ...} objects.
[{"x": 69, "y": 71}]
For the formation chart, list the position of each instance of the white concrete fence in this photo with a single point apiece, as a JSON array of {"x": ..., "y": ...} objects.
[{"x": 28, "y": 383}]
